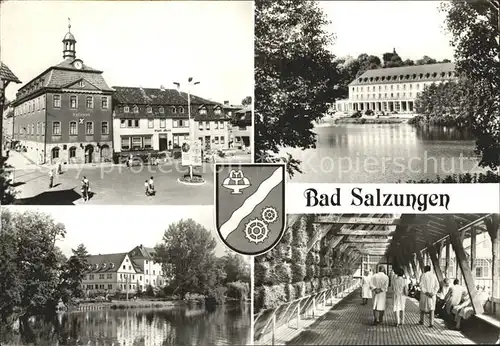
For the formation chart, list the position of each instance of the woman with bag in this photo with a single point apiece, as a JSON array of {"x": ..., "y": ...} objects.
[{"x": 400, "y": 286}]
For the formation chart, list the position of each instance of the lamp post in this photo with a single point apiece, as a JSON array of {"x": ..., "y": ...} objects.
[{"x": 190, "y": 83}]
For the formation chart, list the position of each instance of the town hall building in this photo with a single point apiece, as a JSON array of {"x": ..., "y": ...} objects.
[{"x": 65, "y": 114}]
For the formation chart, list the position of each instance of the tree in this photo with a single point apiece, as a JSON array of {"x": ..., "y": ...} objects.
[
  {"x": 236, "y": 268},
  {"x": 187, "y": 255},
  {"x": 7, "y": 193},
  {"x": 392, "y": 59},
  {"x": 30, "y": 263},
  {"x": 473, "y": 27},
  {"x": 247, "y": 101},
  {"x": 72, "y": 274},
  {"x": 295, "y": 77},
  {"x": 426, "y": 60}
]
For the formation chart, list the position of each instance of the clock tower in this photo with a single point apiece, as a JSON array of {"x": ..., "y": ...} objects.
[{"x": 69, "y": 44}]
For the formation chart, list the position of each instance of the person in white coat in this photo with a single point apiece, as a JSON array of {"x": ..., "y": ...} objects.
[
  {"x": 366, "y": 292},
  {"x": 429, "y": 287},
  {"x": 379, "y": 284},
  {"x": 400, "y": 287}
]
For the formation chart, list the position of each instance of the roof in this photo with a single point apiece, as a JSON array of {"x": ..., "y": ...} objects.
[
  {"x": 7, "y": 74},
  {"x": 142, "y": 252},
  {"x": 109, "y": 263},
  {"x": 243, "y": 117},
  {"x": 155, "y": 96},
  {"x": 69, "y": 37},
  {"x": 415, "y": 73},
  {"x": 60, "y": 76}
]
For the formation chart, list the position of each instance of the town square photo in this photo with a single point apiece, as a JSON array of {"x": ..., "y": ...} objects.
[
  {"x": 380, "y": 279},
  {"x": 99, "y": 111},
  {"x": 378, "y": 91},
  {"x": 87, "y": 276}
]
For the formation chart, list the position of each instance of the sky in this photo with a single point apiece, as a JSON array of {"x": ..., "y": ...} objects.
[
  {"x": 413, "y": 28},
  {"x": 115, "y": 229},
  {"x": 143, "y": 43}
]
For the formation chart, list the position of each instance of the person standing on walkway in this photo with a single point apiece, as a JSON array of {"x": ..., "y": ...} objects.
[
  {"x": 429, "y": 286},
  {"x": 51, "y": 178},
  {"x": 400, "y": 288},
  {"x": 151, "y": 186},
  {"x": 379, "y": 284},
  {"x": 147, "y": 188},
  {"x": 366, "y": 292},
  {"x": 85, "y": 189}
]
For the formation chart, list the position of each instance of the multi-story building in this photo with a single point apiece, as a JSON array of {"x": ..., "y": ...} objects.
[
  {"x": 241, "y": 128},
  {"x": 124, "y": 272},
  {"x": 64, "y": 114},
  {"x": 149, "y": 119},
  {"x": 393, "y": 90}
]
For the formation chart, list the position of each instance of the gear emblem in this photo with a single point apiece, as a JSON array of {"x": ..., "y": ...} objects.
[
  {"x": 269, "y": 215},
  {"x": 256, "y": 231}
]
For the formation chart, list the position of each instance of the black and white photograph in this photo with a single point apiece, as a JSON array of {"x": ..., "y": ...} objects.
[
  {"x": 126, "y": 275},
  {"x": 379, "y": 91},
  {"x": 380, "y": 279},
  {"x": 122, "y": 102}
]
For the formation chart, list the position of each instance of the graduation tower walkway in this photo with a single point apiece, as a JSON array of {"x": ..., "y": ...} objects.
[{"x": 335, "y": 315}]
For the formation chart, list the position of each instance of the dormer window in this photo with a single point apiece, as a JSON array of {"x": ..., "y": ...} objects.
[
  {"x": 104, "y": 265},
  {"x": 111, "y": 265},
  {"x": 181, "y": 110},
  {"x": 427, "y": 75},
  {"x": 174, "y": 110},
  {"x": 434, "y": 75},
  {"x": 126, "y": 109},
  {"x": 149, "y": 109},
  {"x": 217, "y": 111},
  {"x": 161, "y": 110},
  {"x": 136, "y": 109},
  {"x": 81, "y": 84},
  {"x": 203, "y": 111}
]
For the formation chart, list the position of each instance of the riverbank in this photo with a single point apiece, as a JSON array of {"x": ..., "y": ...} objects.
[
  {"x": 130, "y": 304},
  {"x": 360, "y": 121},
  {"x": 421, "y": 120}
]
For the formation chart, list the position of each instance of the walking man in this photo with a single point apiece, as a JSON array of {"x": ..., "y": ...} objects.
[
  {"x": 51, "y": 178},
  {"x": 379, "y": 284},
  {"x": 429, "y": 286},
  {"x": 151, "y": 186},
  {"x": 366, "y": 292}
]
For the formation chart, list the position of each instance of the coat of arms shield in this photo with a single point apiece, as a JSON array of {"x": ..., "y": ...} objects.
[{"x": 250, "y": 206}]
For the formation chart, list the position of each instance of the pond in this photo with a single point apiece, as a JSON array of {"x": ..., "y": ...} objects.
[
  {"x": 223, "y": 325},
  {"x": 385, "y": 153}
]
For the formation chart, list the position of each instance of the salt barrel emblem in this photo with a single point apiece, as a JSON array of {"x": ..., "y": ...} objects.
[{"x": 250, "y": 206}]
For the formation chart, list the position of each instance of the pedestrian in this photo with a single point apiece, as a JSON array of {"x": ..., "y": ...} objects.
[
  {"x": 147, "y": 188},
  {"x": 59, "y": 168},
  {"x": 429, "y": 286},
  {"x": 152, "y": 186},
  {"x": 366, "y": 292},
  {"x": 379, "y": 284},
  {"x": 400, "y": 287},
  {"x": 51, "y": 179},
  {"x": 85, "y": 189}
]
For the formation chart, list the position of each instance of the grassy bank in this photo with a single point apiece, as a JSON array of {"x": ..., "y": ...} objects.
[{"x": 373, "y": 120}]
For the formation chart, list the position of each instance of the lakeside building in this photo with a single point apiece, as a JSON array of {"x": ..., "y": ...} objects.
[
  {"x": 125, "y": 272},
  {"x": 242, "y": 128},
  {"x": 64, "y": 114},
  {"x": 395, "y": 89},
  {"x": 150, "y": 119}
]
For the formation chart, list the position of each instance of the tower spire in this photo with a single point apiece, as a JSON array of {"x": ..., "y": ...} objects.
[{"x": 69, "y": 43}]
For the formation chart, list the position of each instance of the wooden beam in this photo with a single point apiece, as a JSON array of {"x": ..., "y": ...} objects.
[
  {"x": 447, "y": 260},
  {"x": 367, "y": 240},
  {"x": 334, "y": 242},
  {"x": 332, "y": 219},
  {"x": 366, "y": 233},
  {"x": 473, "y": 244},
  {"x": 493, "y": 228},
  {"x": 319, "y": 232},
  {"x": 457, "y": 244},
  {"x": 435, "y": 263},
  {"x": 343, "y": 247}
]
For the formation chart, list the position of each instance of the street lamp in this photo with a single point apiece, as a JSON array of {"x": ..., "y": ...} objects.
[
  {"x": 6, "y": 76},
  {"x": 191, "y": 123}
]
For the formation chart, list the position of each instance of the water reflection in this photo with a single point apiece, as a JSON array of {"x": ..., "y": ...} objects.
[
  {"x": 175, "y": 326},
  {"x": 386, "y": 153}
]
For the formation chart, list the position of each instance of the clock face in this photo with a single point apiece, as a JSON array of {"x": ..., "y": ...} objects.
[{"x": 78, "y": 64}]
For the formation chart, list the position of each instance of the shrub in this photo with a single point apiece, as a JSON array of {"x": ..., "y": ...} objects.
[
  {"x": 273, "y": 296},
  {"x": 264, "y": 273},
  {"x": 149, "y": 291},
  {"x": 310, "y": 271},
  {"x": 300, "y": 234},
  {"x": 217, "y": 293},
  {"x": 300, "y": 289},
  {"x": 369, "y": 112},
  {"x": 290, "y": 292},
  {"x": 299, "y": 255},
  {"x": 298, "y": 272},
  {"x": 238, "y": 290},
  {"x": 283, "y": 273}
]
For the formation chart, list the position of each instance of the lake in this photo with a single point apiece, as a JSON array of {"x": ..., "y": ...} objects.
[
  {"x": 385, "y": 153},
  {"x": 225, "y": 325}
]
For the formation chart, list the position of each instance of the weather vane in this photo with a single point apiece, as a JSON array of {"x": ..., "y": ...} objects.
[{"x": 69, "y": 23}]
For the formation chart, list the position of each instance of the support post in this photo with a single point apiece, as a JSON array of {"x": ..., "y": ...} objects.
[
  {"x": 420, "y": 261},
  {"x": 447, "y": 260},
  {"x": 431, "y": 250},
  {"x": 473, "y": 252},
  {"x": 493, "y": 228},
  {"x": 415, "y": 270},
  {"x": 457, "y": 244},
  {"x": 298, "y": 315}
]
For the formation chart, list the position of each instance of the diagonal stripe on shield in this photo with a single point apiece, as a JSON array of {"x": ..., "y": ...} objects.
[{"x": 250, "y": 206}]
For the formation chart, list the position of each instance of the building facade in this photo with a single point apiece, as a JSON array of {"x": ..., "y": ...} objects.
[
  {"x": 393, "y": 90},
  {"x": 123, "y": 272},
  {"x": 149, "y": 119},
  {"x": 64, "y": 114},
  {"x": 241, "y": 128}
]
